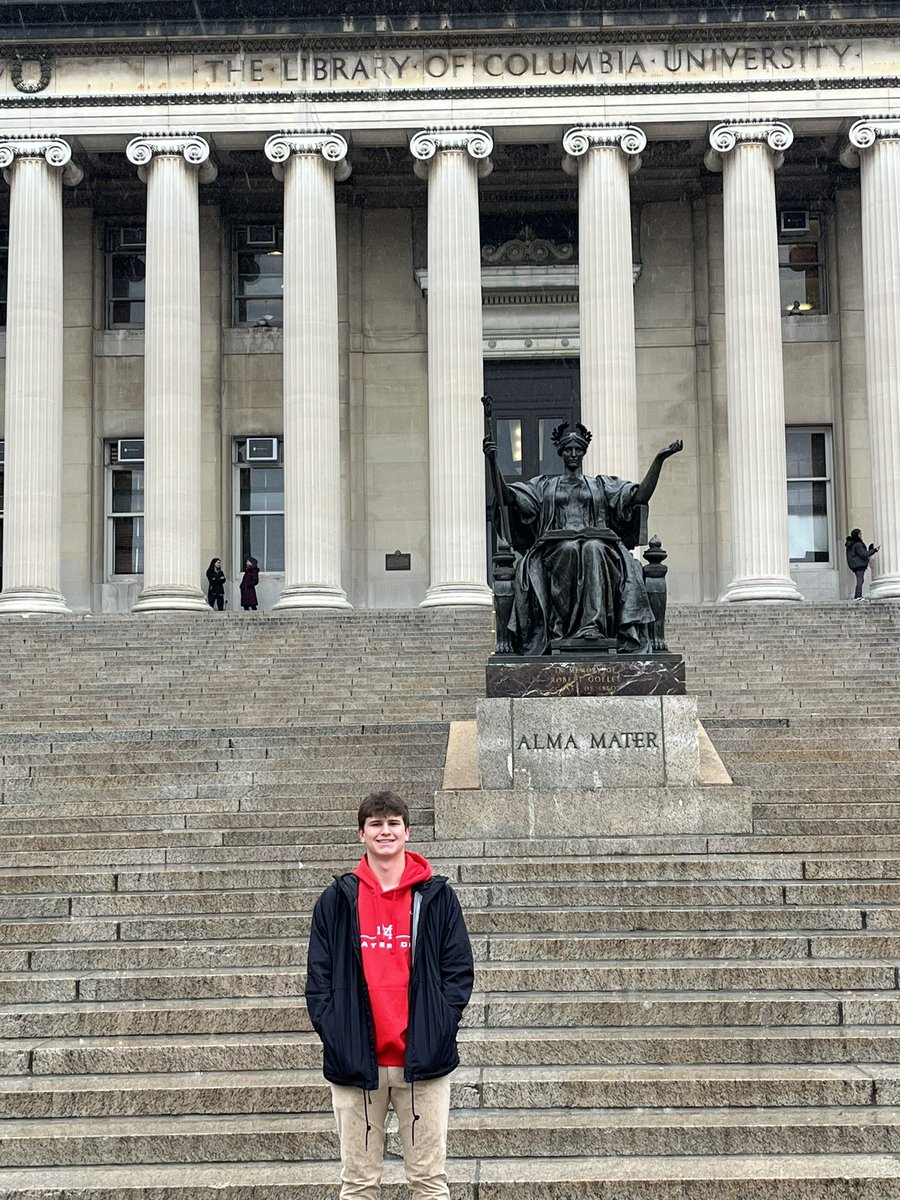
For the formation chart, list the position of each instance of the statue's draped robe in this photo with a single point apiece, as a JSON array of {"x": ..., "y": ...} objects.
[{"x": 575, "y": 576}]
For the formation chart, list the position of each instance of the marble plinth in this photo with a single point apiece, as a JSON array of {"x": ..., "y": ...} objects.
[
  {"x": 616, "y": 675},
  {"x": 588, "y": 741},
  {"x": 524, "y": 812}
]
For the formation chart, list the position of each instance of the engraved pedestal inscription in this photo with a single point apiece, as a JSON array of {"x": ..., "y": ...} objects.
[{"x": 588, "y": 742}]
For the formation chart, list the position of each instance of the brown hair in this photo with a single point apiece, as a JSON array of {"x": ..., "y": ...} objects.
[{"x": 383, "y": 804}]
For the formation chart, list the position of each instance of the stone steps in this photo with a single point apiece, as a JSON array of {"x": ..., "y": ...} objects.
[
  {"x": 20, "y": 985},
  {"x": 550, "y": 1009},
  {"x": 474, "y": 1133},
  {"x": 709, "y": 1177},
  {"x": 654, "y": 1017}
]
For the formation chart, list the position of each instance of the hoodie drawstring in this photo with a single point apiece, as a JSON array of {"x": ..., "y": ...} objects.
[
  {"x": 366, "y": 1115},
  {"x": 415, "y": 1115}
]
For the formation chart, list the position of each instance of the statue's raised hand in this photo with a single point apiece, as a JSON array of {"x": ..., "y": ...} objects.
[
  {"x": 489, "y": 446},
  {"x": 673, "y": 448}
]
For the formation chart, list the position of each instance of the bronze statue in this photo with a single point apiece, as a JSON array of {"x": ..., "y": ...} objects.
[{"x": 576, "y": 585}]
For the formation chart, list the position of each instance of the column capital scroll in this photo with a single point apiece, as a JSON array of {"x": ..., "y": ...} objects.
[
  {"x": 333, "y": 147},
  {"x": 477, "y": 143},
  {"x": 190, "y": 146},
  {"x": 864, "y": 133},
  {"x": 54, "y": 150},
  {"x": 723, "y": 138},
  {"x": 628, "y": 139}
]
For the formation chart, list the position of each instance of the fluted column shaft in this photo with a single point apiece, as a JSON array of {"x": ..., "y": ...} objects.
[
  {"x": 603, "y": 159},
  {"x": 169, "y": 165},
  {"x": 455, "y": 159},
  {"x": 35, "y": 169},
  {"x": 312, "y": 465},
  {"x": 754, "y": 373},
  {"x": 877, "y": 144}
]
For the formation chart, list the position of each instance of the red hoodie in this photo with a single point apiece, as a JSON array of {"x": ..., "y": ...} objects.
[{"x": 385, "y": 925}]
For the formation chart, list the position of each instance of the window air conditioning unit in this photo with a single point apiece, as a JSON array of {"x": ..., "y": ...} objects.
[
  {"x": 130, "y": 450},
  {"x": 794, "y": 220},
  {"x": 261, "y": 450}
]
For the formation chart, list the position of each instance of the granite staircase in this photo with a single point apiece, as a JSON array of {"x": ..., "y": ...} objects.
[{"x": 691, "y": 1017}]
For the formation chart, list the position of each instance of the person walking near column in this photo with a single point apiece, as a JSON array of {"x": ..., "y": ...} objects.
[
  {"x": 389, "y": 973},
  {"x": 858, "y": 555}
]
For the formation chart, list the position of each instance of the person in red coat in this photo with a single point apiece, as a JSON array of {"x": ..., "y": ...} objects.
[{"x": 249, "y": 580}]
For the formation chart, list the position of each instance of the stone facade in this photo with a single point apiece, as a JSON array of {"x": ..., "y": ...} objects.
[{"x": 396, "y": 465}]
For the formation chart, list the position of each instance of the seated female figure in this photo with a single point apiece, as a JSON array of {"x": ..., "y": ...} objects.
[{"x": 575, "y": 577}]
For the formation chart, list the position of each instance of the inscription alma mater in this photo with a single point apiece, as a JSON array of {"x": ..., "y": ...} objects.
[{"x": 596, "y": 741}]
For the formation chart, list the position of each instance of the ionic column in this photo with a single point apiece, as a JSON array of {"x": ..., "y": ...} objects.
[
  {"x": 171, "y": 166},
  {"x": 309, "y": 163},
  {"x": 453, "y": 160},
  {"x": 875, "y": 148},
  {"x": 35, "y": 169},
  {"x": 748, "y": 155},
  {"x": 603, "y": 158}
]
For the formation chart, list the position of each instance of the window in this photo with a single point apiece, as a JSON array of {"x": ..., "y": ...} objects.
[
  {"x": 124, "y": 510},
  {"x": 809, "y": 495},
  {"x": 258, "y": 274},
  {"x": 125, "y": 271},
  {"x": 801, "y": 262},
  {"x": 259, "y": 507}
]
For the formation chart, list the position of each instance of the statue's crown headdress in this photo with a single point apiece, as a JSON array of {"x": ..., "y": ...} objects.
[{"x": 559, "y": 434}]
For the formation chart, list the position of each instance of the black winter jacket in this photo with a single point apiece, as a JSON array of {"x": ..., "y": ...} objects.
[
  {"x": 440, "y": 984},
  {"x": 857, "y": 554}
]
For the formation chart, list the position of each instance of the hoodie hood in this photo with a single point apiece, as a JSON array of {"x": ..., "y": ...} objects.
[{"x": 417, "y": 870}]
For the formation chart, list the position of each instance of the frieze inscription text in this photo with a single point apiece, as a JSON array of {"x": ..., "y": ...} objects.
[{"x": 321, "y": 68}]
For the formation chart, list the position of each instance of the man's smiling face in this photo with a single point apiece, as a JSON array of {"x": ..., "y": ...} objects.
[{"x": 384, "y": 837}]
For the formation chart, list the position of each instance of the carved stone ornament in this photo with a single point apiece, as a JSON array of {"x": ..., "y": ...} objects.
[
  {"x": 190, "y": 146},
  {"x": 527, "y": 248},
  {"x": 55, "y": 151},
  {"x": 630, "y": 140},
  {"x": 477, "y": 143},
  {"x": 863, "y": 134},
  {"x": 333, "y": 147},
  {"x": 30, "y": 86},
  {"x": 723, "y": 138}
]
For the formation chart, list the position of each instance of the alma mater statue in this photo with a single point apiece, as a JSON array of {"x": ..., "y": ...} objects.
[{"x": 575, "y": 578}]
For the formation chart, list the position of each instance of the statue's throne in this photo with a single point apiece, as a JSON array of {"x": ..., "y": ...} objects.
[{"x": 504, "y": 564}]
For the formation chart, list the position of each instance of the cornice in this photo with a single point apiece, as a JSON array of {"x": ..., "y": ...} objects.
[
  {"x": 769, "y": 31},
  {"x": 420, "y": 95}
]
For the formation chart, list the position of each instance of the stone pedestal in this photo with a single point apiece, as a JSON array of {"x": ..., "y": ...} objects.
[
  {"x": 601, "y": 763},
  {"x": 618, "y": 675},
  {"x": 611, "y": 812},
  {"x": 554, "y": 742}
]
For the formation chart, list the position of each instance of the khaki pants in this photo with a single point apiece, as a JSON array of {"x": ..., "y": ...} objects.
[{"x": 423, "y": 1110}]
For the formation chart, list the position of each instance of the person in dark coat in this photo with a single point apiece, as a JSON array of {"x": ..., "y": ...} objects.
[
  {"x": 389, "y": 973},
  {"x": 216, "y": 584},
  {"x": 249, "y": 580},
  {"x": 858, "y": 555}
]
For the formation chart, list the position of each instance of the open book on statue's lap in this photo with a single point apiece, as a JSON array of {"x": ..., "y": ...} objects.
[{"x": 588, "y": 533}]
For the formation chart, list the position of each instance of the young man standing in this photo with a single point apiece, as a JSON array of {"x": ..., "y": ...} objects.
[{"x": 389, "y": 973}]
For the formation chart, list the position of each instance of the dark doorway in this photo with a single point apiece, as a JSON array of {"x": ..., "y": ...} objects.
[{"x": 531, "y": 397}]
